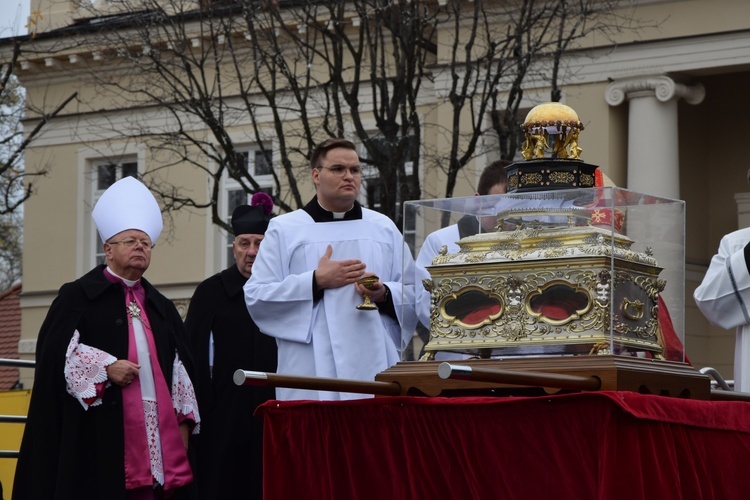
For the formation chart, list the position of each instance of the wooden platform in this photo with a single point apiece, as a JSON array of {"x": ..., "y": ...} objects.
[{"x": 616, "y": 373}]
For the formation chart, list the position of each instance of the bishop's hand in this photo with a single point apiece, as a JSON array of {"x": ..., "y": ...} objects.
[{"x": 122, "y": 372}]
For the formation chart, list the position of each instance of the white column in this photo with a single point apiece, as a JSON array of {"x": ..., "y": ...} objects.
[{"x": 653, "y": 146}]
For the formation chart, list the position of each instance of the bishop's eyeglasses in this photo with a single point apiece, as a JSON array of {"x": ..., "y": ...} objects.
[{"x": 131, "y": 242}]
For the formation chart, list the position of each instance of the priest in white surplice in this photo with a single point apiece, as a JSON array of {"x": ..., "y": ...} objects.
[
  {"x": 724, "y": 298},
  {"x": 303, "y": 289}
]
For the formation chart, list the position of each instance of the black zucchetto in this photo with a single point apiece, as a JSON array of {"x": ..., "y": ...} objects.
[
  {"x": 253, "y": 218},
  {"x": 247, "y": 219}
]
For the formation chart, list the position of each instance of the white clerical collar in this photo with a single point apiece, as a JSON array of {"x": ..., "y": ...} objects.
[
  {"x": 336, "y": 215},
  {"x": 126, "y": 281}
]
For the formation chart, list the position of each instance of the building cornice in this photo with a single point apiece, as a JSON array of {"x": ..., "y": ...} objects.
[
  {"x": 689, "y": 56},
  {"x": 692, "y": 55}
]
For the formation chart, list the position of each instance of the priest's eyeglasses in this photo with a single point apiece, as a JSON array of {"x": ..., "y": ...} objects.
[
  {"x": 131, "y": 242},
  {"x": 340, "y": 170}
]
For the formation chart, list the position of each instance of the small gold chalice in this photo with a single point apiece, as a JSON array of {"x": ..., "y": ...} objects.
[{"x": 367, "y": 282}]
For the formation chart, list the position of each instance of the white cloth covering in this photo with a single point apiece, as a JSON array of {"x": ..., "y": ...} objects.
[
  {"x": 449, "y": 237},
  {"x": 724, "y": 297},
  {"x": 430, "y": 248},
  {"x": 329, "y": 337}
]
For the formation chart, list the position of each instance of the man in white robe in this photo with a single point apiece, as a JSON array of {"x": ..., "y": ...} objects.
[
  {"x": 724, "y": 297},
  {"x": 304, "y": 291},
  {"x": 493, "y": 180}
]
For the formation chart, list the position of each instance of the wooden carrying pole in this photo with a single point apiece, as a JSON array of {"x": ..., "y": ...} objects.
[
  {"x": 720, "y": 395},
  {"x": 244, "y": 377},
  {"x": 517, "y": 377}
]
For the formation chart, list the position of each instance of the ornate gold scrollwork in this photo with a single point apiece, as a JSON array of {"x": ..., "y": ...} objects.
[
  {"x": 532, "y": 179},
  {"x": 562, "y": 177},
  {"x": 600, "y": 348},
  {"x": 513, "y": 181},
  {"x": 632, "y": 309},
  {"x": 530, "y": 307}
]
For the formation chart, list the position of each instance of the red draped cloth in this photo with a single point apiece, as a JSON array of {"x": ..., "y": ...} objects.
[{"x": 604, "y": 445}]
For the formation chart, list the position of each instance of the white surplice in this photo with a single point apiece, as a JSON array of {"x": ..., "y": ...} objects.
[
  {"x": 724, "y": 297},
  {"x": 448, "y": 236},
  {"x": 330, "y": 337}
]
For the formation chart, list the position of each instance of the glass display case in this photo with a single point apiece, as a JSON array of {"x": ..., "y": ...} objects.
[{"x": 586, "y": 271}]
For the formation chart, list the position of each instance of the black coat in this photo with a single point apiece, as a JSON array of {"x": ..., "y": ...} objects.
[
  {"x": 68, "y": 452},
  {"x": 229, "y": 447}
]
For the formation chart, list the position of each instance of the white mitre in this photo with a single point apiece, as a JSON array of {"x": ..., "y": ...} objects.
[{"x": 127, "y": 204}]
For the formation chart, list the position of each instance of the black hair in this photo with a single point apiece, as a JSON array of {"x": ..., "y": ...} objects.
[
  {"x": 492, "y": 175},
  {"x": 327, "y": 145}
]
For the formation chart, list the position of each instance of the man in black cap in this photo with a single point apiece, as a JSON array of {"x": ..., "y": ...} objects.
[{"x": 224, "y": 338}]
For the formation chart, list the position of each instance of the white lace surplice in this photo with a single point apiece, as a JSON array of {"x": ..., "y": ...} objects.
[{"x": 85, "y": 367}]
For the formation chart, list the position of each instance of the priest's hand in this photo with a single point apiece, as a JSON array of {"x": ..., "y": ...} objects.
[
  {"x": 122, "y": 372},
  {"x": 377, "y": 291},
  {"x": 337, "y": 273}
]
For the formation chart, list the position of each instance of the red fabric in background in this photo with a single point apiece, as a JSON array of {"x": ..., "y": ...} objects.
[
  {"x": 673, "y": 348},
  {"x": 605, "y": 445}
]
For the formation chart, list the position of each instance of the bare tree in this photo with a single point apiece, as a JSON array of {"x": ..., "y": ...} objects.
[
  {"x": 17, "y": 183},
  {"x": 291, "y": 72},
  {"x": 502, "y": 48},
  {"x": 11, "y": 246},
  {"x": 194, "y": 68}
]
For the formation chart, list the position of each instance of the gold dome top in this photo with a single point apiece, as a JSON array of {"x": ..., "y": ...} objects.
[
  {"x": 551, "y": 131},
  {"x": 552, "y": 114}
]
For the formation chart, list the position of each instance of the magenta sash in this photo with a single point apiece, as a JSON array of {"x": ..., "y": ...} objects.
[{"x": 177, "y": 471}]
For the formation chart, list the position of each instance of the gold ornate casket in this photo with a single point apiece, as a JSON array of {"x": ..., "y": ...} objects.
[{"x": 548, "y": 281}]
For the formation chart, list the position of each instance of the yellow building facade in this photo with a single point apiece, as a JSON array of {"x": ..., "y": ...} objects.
[{"x": 663, "y": 110}]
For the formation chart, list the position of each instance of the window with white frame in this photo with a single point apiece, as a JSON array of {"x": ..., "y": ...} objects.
[
  {"x": 259, "y": 164},
  {"x": 106, "y": 173}
]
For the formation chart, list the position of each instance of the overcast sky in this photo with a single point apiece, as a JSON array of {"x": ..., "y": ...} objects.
[{"x": 13, "y": 17}]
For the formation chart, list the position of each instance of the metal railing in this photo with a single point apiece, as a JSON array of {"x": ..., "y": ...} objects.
[
  {"x": 13, "y": 419},
  {"x": 718, "y": 380}
]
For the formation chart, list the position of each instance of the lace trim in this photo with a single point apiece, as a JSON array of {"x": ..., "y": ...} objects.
[
  {"x": 151, "y": 414},
  {"x": 85, "y": 366},
  {"x": 183, "y": 393}
]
